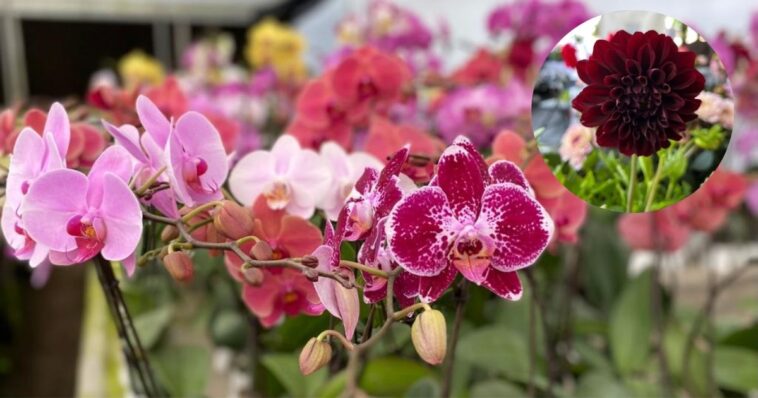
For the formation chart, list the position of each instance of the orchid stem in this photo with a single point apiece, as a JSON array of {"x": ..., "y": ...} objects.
[
  {"x": 198, "y": 210},
  {"x": 632, "y": 184},
  {"x": 135, "y": 354},
  {"x": 461, "y": 296},
  {"x": 364, "y": 268},
  {"x": 339, "y": 336},
  {"x": 407, "y": 310},
  {"x": 150, "y": 181}
]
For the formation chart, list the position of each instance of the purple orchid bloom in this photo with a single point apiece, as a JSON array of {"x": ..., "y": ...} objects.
[
  {"x": 197, "y": 162},
  {"x": 147, "y": 151},
  {"x": 485, "y": 226},
  {"x": 79, "y": 216},
  {"x": 481, "y": 112},
  {"x": 338, "y": 300},
  {"x": 33, "y": 155}
]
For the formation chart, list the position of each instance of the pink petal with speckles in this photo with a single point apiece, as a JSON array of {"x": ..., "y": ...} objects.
[
  {"x": 419, "y": 231},
  {"x": 430, "y": 288},
  {"x": 469, "y": 147},
  {"x": 518, "y": 225},
  {"x": 505, "y": 284},
  {"x": 505, "y": 171},
  {"x": 458, "y": 174}
]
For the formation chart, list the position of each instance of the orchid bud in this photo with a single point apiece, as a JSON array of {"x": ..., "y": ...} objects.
[
  {"x": 232, "y": 220},
  {"x": 169, "y": 233},
  {"x": 261, "y": 251},
  {"x": 429, "y": 335},
  {"x": 309, "y": 261},
  {"x": 179, "y": 265},
  {"x": 252, "y": 275},
  {"x": 314, "y": 355}
]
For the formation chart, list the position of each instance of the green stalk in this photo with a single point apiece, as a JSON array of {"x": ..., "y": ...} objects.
[
  {"x": 632, "y": 184},
  {"x": 654, "y": 184}
]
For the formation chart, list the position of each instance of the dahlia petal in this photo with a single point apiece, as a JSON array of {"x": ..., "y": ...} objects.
[
  {"x": 459, "y": 177},
  {"x": 519, "y": 226},
  {"x": 123, "y": 219},
  {"x": 505, "y": 284},
  {"x": 50, "y": 203},
  {"x": 417, "y": 231}
]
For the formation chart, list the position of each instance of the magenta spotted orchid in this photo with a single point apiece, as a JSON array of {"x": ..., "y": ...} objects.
[
  {"x": 346, "y": 169},
  {"x": 34, "y": 154},
  {"x": 484, "y": 223},
  {"x": 79, "y": 216}
]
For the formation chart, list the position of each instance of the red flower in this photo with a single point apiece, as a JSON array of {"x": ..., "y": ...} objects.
[
  {"x": 665, "y": 229},
  {"x": 568, "y": 53},
  {"x": 321, "y": 116},
  {"x": 483, "y": 67},
  {"x": 709, "y": 206},
  {"x": 385, "y": 138},
  {"x": 641, "y": 91}
]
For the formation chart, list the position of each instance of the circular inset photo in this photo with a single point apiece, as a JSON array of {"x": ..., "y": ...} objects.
[{"x": 632, "y": 111}]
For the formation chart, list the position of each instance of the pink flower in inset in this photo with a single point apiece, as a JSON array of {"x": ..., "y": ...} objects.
[
  {"x": 346, "y": 169},
  {"x": 485, "y": 223},
  {"x": 338, "y": 300},
  {"x": 710, "y": 205},
  {"x": 197, "y": 163},
  {"x": 282, "y": 292},
  {"x": 79, "y": 216},
  {"x": 33, "y": 156},
  {"x": 286, "y": 235},
  {"x": 576, "y": 144},
  {"x": 288, "y": 176}
]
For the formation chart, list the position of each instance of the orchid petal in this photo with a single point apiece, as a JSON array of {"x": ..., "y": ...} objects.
[
  {"x": 58, "y": 125},
  {"x": 155, "y": 123},
  {"x": 418, "y": 231},
  {"x": 430, "y": 288},
  {"x": 251, "y": 175},
  {"x": 506, "y": 171},
  {"x": 518, "y": 225},
  {"x": 50, "y": 203},
  {"x": 128, "y": 137},
  {"x": 460, "y": 177},
  {"x": 504, "y": 284},
  {"x": 114, "y": 160},
  {"x": 123, "y": 219}
]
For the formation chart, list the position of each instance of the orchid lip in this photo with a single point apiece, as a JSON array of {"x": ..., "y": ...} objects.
[{"x": 278, "y": 195}]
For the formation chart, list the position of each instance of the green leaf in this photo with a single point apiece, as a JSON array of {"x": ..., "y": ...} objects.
[
  {"x": 230, "y": 329},
  {"x": 426, "y": 387},
  {"x": 675, "y": 343},
  {"x": 347, "y": 251},
  {"x": 391, "y": 376},
  {"x": 736, "y": 368},
  {"x": 286, "y": 370},
  {"x": 151, "y": 325},
  {"x": 630, "y": 326},
  {"x": 496, "y": 349},
  {"x": 600, "y": 384},
  {"x": 495, "y": 388},
  {"x": 334, "y": 387},
  {"x": 183, "y": 370}
]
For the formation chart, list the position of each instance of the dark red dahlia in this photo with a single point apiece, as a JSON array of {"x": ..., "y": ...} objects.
[{"x": 641, "y": 91}]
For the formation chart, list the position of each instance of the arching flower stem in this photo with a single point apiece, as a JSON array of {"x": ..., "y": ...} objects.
[{"x": 632, "y": 186}]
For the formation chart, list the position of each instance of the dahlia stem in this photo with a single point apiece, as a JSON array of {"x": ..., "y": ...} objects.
[
  {"x": 653, "y": 188},
  {"x": 632, "y": 184}
]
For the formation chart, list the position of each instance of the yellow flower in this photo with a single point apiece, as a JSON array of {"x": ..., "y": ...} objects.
[
  {"x": 138, "y": 68},
  {"x": 270, "y": 43}
]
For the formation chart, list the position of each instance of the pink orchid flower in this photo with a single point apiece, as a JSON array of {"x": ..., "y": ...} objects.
[
  {"x": 287, "y": 235},
  {"x": 288, "y": 176},
  {"x": 483, "y": 222},
  {"x": 346, "y": 169},
  {"x": 666, "y": 229},
  {"x": 282, "y": 292},
  {"x": 338, "y": 300},
  {"x": 709, "y": 206},
  {"x": 147, "y": 150},
  {"x": 79, "y": 216},
  {"x": 197, "y": 162},
  {"x": 34, "y": 155}
]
